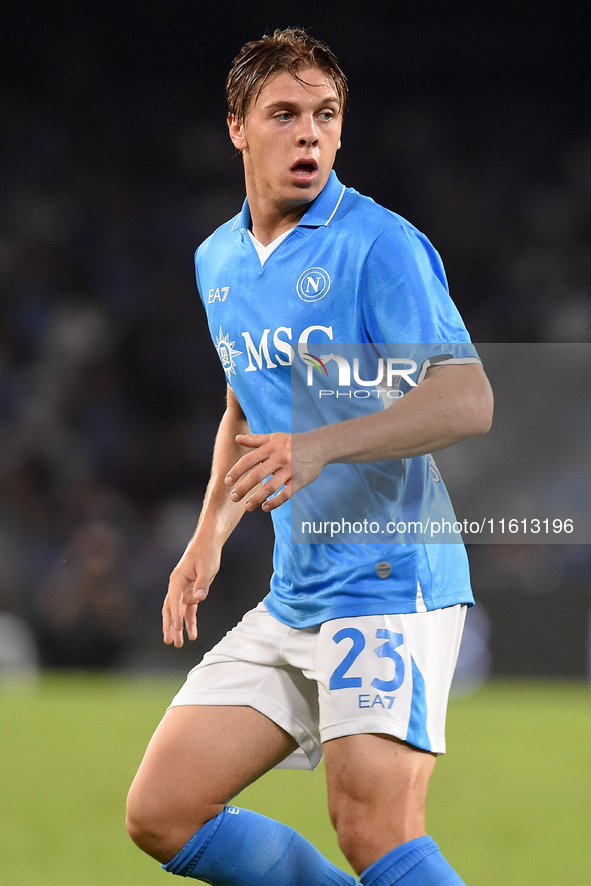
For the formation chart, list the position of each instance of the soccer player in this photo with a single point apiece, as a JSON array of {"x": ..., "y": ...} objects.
[{"x": 351, "y": 654}]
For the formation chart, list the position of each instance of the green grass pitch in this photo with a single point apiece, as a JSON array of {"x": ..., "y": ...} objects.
[{"x": 510, "y": 803}]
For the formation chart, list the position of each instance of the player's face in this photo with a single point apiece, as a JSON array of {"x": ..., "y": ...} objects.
[{"x": 290, "y": 137}]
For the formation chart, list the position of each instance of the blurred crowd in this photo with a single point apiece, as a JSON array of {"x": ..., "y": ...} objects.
[{"x": 110, "y": 390}]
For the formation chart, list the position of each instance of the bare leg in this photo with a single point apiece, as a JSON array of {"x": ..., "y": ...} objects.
[
  {"x": 377, "y": 788},
  {"x": 198, "y": 759}
]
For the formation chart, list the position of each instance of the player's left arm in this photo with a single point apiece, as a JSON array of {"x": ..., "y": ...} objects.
[{"x": 451, "y": 404}]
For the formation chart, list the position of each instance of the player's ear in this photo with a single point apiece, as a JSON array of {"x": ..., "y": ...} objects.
[{"x": 237, "y": 135}]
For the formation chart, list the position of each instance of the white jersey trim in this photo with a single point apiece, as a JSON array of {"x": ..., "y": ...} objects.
[
  {"x": 330, "y": 218},
  {"x": 434, "y": 361},
  {"x": 265, "y": 251},
  {"x": 420, "y": 601}
]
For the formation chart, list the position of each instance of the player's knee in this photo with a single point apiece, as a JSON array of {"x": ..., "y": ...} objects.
[
  {"x": 160, "y": 830},
  {"x": 148, "y": 827},
  {"x": 354, "y": 835},
  {"x": 365, "y": 832},
  {"x": 141, "y": 827}
]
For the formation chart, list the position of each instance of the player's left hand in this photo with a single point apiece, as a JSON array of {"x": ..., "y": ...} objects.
[{"x": 272, "y": 456}]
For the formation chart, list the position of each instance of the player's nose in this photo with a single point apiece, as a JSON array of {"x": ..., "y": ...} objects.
[{"x": 307, "y": 132}]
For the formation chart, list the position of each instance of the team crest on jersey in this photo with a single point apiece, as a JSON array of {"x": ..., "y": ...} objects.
[
  {"x": 313, "y": 284},
  {"x": 226, "y": 352}
]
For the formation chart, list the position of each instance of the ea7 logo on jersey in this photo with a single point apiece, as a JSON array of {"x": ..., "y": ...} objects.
[
  {"x": 219, "y": 294},
  {"x": 313, "y": 284}
]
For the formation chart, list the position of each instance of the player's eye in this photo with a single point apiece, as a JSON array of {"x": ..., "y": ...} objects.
[{"x": 283, "y": 115}]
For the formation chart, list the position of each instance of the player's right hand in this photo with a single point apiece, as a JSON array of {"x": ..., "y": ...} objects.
[{"x": 188, "y": 586}]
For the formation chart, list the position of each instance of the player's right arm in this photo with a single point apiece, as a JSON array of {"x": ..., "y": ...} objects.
[{"x": 191, "y": 578}]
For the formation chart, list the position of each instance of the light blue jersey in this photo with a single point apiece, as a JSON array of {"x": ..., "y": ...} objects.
[{"x": 349, "y": 272}]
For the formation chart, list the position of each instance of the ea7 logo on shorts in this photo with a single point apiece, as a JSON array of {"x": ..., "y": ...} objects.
[{"x": 313, "y": 284}]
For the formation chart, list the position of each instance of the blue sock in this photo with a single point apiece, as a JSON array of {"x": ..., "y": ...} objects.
[
  {"x": 243, "y": 848},
  {"x": 416, "y": 863}
]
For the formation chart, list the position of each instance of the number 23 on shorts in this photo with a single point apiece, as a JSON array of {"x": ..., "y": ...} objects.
[{"x": 346, "y": 674}]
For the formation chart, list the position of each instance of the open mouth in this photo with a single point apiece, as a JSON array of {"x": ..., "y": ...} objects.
[{"x": 305, "y": 167}]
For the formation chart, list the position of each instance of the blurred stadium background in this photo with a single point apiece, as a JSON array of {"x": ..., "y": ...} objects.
[{"x": 473, "y": 121}]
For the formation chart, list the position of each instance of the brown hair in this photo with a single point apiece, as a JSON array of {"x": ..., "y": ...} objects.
[{"x": 288, "y": 50}]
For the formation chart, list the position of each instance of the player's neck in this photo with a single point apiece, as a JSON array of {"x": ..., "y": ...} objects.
[
  {"x": 269, "y": 222},
  {"x": 271, "y": 217}
]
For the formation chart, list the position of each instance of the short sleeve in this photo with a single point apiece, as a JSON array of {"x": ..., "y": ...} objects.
[{"x": 405, "y": 297}]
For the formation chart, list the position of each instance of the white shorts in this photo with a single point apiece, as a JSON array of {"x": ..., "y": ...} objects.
[{"x": 386, "y": 674}]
